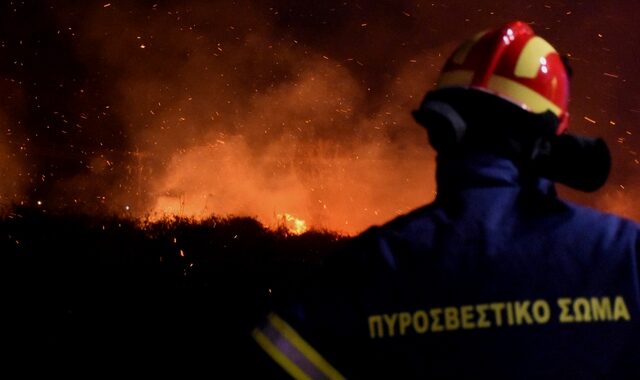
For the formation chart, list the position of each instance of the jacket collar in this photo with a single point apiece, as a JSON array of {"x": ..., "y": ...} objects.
[{"x": 468, "y": 170}]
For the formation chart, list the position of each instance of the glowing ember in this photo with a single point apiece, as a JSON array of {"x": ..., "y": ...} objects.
[{"x": 293, "y": 225}]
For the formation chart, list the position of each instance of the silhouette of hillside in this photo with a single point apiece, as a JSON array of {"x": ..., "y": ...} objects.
[{"x": 112, "y": 292}]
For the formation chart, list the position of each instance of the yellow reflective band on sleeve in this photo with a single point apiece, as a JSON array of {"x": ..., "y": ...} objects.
[
  {"x": 522, "y": 94},
  {"x": 280, "y": 358},
  {"x": 311, "y": 354},
  {"x": 287, "y": 348}
]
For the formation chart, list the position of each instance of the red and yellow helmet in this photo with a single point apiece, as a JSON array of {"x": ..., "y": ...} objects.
[{"x": 515, "y": 64}]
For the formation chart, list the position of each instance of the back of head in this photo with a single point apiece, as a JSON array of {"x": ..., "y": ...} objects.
[{"x": 506, "y": 91}]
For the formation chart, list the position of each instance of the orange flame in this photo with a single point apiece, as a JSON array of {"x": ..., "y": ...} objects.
[{"x": 293, "y": 225}]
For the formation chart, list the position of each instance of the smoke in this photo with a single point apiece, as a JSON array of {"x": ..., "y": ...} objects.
[
  {"x": 12, "y": 167},
  {"x": 253, "y": 108},
  {"x": 224, "y": 114},
  {"x": 14, "y": 148},
  {"x": 303, "y": 147}
]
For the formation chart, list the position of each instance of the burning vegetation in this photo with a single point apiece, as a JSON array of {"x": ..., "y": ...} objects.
[{"x": 218, "y": 118}]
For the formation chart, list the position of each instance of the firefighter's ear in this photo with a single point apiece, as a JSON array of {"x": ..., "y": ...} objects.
[{"x": 444, "y": 124}]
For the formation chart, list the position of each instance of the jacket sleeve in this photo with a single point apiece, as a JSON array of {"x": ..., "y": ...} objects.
[{"x": 318, "y": 331}]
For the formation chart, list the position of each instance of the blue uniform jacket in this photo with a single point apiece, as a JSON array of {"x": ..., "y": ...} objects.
[{"x": 497, "y": 277}]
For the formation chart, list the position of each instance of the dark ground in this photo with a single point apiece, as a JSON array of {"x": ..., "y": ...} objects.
[{"x": 89, "y": 295}]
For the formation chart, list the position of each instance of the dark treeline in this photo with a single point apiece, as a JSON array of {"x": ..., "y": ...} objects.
[{"x": 105, "y": 293}]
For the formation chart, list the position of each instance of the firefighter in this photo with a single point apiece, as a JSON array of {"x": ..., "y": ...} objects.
[{"x": 497, "y": 276}]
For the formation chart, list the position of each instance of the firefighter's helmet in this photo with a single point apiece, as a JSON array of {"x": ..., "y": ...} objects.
[{"x": 515, "y": 64}]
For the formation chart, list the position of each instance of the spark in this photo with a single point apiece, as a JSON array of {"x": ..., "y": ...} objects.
[{"x": 589, "y": 120}]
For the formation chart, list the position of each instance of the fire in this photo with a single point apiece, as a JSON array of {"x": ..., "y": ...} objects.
[{"x": 293, "y": 225}]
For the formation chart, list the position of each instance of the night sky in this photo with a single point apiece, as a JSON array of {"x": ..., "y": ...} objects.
[{"x": 263, "y": 108}]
